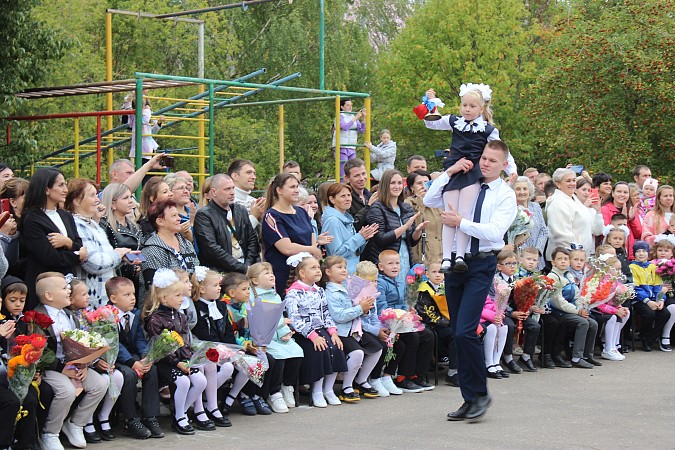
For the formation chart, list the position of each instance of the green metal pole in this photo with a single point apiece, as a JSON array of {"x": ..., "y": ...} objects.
[
  {"x": 154, "y": 76},
  {"x": 321, "y": 35},
  {"x": 138, "y": 157},
  {"x": 211, "y": 129}
]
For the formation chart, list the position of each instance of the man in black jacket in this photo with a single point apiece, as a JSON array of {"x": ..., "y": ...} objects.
[
  {"x": 356, "y": 177},
  {"x": 226, "y": 240}
]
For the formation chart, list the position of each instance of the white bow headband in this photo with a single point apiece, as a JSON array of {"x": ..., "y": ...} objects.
[
  {"x": 608, "y": 228},
  {"x": 484, "y": 89}
]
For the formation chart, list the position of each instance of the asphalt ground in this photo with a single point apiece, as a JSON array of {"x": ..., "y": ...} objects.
[{"x": 627, "y": 404}]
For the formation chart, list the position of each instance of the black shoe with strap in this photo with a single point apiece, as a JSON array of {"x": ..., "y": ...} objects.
[
  {"x": 223, "y": 421},
  {"x": 203, "y": 425},
  {"x": 368, "y": 392},
  {"x": 185, "y": 430}
]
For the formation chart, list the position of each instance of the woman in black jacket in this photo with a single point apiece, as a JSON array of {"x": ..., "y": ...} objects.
[
  {"x": 49, "y": 233},
  {"x": 396, "y": 223}
]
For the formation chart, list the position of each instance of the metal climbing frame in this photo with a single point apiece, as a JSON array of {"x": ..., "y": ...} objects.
[{"x": 321, "y": 95}]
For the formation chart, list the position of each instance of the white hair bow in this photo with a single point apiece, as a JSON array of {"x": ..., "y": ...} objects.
[
  {"x": 294, "y": 260},
  {"x": 607, "y": 228},
  {"x": 164, "y": 278},
  {"x": 200, "y": 272},
  {"x": 484, "y": 89},
  {"x": 665, "y": 237}
]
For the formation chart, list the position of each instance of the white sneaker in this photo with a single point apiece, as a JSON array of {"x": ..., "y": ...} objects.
[
  {"x": 377, "y": 384},
  {"x": 389, "y": 385},
  {"x": 620, "y": 355},
  {"x": 277, "y": 403},
  {"x": 319, "y": 401},
  {"x": 50, "y": 441},
  {"x": 331, "y": 398},
  {"x": 610, "y": 356},
  {"x": 74, "y": 434},
  {"x": 287, "y": 393}
]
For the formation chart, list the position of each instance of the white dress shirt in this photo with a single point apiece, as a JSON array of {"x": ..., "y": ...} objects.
[
  {"x": 498, "y": 212},
  {"x": 62, "y": 322}
]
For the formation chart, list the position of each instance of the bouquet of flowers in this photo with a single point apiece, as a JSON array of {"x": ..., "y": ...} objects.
[
  {"x": 665, "y": 268},
  {"x": 200, "y": 353},
  {"x": 253, "y": 366},
  {"x": 502, "y": 294},
  {"x": 104, "y": 320},
  {"x": 598, "y": 286},
  {"x": 81, "y": 348},
  {"x": 525, "y": 293},
  {"x": 162, "y": 345},
  {"x": 398, "y": 321},
  {"x": 36, "y": 321},
  {"x": 622, "y": 293},
  {"x": 220, "y": 354},
  {"x": 24, "y": 354},
  {"x": 519, "y": 229},
  {"x": 412, "y": 280},
  {"x": 545, "y": 290},
  {"x": 263, "y": 319}
]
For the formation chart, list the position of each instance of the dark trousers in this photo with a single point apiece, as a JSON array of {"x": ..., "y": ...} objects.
[
  {"x": 413, "y": 354},
  {"x": 651, "y": 322},
  {"x": 286, "y": 371},
  {"x": 150, "y": 394},
  {"x": 398, "y": 352},
  {"x": 466, "y": 293},
  {"x": 446, "y": 341},
  {"x": 554, "y": 334},
  {"x": 531, "y": 329},
  {"x": 9, "y": 407}
]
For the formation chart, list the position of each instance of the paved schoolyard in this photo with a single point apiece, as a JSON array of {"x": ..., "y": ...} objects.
[{"x": 628, "y": 404}]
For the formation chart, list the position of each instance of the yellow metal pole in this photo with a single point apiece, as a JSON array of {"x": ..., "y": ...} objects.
[
  {"x": 109, "y": 77},
  {"x": 337, "y": 138},
  {"x": 281, "y": 138},
  {"x": 201, "y": 145},
  {"x": 366, "y": 150},
  {"x": 77, "y": 147}
]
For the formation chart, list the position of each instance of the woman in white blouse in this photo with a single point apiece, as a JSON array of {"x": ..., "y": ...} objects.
[{"x": 568, "y": 219}]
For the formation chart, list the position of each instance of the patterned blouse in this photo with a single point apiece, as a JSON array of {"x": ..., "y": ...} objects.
[
  {"x": 538, "y": 234},
  {"x": 307, "y": 307},
  {"x": 101, "y": 263}
]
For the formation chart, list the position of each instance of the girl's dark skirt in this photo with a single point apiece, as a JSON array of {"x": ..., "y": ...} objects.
[{"x": 317, "y": 364}]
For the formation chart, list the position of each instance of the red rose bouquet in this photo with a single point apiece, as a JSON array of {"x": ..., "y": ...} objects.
[{"x": 24, "y": 354}]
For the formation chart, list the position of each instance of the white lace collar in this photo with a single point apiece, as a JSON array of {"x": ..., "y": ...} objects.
[{"x": 477, "y": 125}]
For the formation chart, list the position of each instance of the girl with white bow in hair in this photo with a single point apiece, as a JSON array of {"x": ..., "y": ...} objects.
[
  {"x": 471, "y": 131},
  {"x": 212, "y": 325}
]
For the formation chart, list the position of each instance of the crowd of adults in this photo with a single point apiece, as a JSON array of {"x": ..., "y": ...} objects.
[{"x": 70, "y": 227}]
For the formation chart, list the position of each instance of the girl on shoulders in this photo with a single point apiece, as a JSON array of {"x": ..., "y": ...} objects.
[{"x": 657, "y": 220}]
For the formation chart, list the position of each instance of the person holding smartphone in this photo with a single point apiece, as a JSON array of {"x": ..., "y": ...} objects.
[
  {"x": 429, "y": 247},
  {"x": 82, "y": 201}
]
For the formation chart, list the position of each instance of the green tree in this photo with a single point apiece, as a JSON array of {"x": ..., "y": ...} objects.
[
  {"x": 26, "y": 47},
  {"x": 607, "y": 101},
  {"x": 447, "y": 43}
]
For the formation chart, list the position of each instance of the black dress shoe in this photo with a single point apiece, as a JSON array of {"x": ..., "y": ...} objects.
[
  {"x": 559, "y": 361},
  {"x": 513, "y": 366},
  {"x": 503, "y": 373},
  {"x": 223, "y": 421},
  {"x": 452, "y": 380},
  {"x": 92, "y": 438},
  {"x": 593, "y": 361},
  {"x": 460, "y": 414},
  {"x": 186, "y": 430},
  {"x": 203, "y": 425},
  {"x": 547, "y": 362},
  {"x": 582, "y": 364},
  {"x": 478, "y": 407},
  {"x": 529, "y": 365}
]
